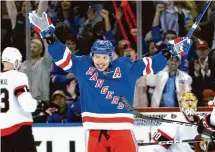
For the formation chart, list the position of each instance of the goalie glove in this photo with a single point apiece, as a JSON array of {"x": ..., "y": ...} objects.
[
  {"x": 41, "y": 24},
  {"x": 180, "y": 45}
]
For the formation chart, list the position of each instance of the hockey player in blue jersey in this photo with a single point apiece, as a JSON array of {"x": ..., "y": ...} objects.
[{"x": 102, "y": 81}]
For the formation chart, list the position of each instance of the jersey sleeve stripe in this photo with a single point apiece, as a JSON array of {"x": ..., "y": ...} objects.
[
  {"x": 20, "y": 89},
  {"x": 66, "y": 62},
  {"x": 107, "y": 120},
  {"x": 148, "y": 66}
]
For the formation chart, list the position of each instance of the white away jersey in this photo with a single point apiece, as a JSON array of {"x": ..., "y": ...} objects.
[
  {"x": 14, "y": 86},
  {"x": 175, "y": 132}
]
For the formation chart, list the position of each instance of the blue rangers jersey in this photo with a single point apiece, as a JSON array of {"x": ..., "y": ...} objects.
[{"x": 101, "y": 105}]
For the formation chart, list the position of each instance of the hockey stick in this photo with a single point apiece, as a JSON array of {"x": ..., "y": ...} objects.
[
  {"x": 198, "y": 19},
  {"x": 139, "y": 115},
  {"x": 170, "y": 142}
]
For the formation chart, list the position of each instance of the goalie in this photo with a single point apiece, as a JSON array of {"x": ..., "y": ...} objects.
[
  {"x": 102, "y": 82},
  {"x": 167, "y": 132}
]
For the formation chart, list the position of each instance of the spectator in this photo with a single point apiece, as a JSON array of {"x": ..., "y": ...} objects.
[
  {"x": 17, "y": 18},
  {"x": 66, "y": 16},
  {"x": 39, "y": 72},
  {"x": 66, "y": 109},
  {"x": 202, "y": 71},
  {"x": 74, "y": 101},
  {"x": 156, "y": 36},
  {"x": 173, "y": 17},
  {"x": 152, "y": 49},
  {"x": 89, "y": 23},
  {"x": 170, "y": 85},
  {"x": 72, "y": 44},
  {"x": 44, "y": 109},
  {"x": 101, "y": 30},
  {"x": 73, "y": 89},
  {"x": 108, "y": 35},
  {"x": 168, "y": 35},
  {"x": 140, "y": 93},
  {"x": 208, "y": 95}
]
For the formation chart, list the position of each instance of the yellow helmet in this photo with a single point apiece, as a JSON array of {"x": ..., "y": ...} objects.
[{"x": 189, "y": 104}]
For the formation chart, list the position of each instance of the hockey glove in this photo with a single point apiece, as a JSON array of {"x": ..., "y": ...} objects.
[
  {"x": 41, "y": 24},
  {"x": 167, "y": 53},
  {"x": 205, "y": 128},
  {"x": 180, "y": 45},
  {"x": 201, "y": 146}
]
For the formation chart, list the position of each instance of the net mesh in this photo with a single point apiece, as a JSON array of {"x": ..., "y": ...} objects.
[{"x": 145, "y": 122}]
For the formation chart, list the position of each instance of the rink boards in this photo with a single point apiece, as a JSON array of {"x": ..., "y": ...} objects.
[
  {"x": 73, "y": 138},
  {"x": 69, "y": 138}
]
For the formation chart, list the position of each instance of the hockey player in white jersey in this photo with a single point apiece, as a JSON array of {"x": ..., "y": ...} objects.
[
  {"x": 16, "y": 105},
  {"x": 169, "y": 132}
]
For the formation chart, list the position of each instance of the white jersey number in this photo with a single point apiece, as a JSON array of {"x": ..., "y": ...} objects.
[
  {"x": 157, "y": 135},
  {"x": 4, "y": 100}
]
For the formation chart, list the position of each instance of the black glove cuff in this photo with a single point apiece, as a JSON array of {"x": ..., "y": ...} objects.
[
  {"x": 51, "y": 40},
  {"x": 204, "y": 127},
  {"x": 166, "y": 53},
  {"x": 209, "y": 123}
]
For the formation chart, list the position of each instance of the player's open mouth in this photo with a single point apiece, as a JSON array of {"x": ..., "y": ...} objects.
[{"x": 100, "y": 66}]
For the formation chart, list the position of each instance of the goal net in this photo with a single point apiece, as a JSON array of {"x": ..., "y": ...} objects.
[{"x": 144, "y": 129}]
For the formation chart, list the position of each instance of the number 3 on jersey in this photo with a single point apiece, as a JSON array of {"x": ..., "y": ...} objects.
[{"x": 4, "y": 100}]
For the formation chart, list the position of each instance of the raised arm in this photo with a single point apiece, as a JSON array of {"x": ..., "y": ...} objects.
[
  {"x": 59, "y": 53},
  {"x": 12, "y": 12},
  {"x": 149, "y": 65},
  {"x": 156, "y": 63},
  {"x": 159, "y": 9},
  {"x": 156, "y": 36},
  {"x": 47, "y": 60},
  {"x": 43, "y": 5}
]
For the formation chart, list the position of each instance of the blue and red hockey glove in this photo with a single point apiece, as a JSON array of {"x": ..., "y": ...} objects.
[
  {"x": 180, "y": 45},
  {"x": 41, "y": 24}
]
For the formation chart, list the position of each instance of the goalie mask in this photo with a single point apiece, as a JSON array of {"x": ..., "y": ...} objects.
[{"x": 189, "y": 104}]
